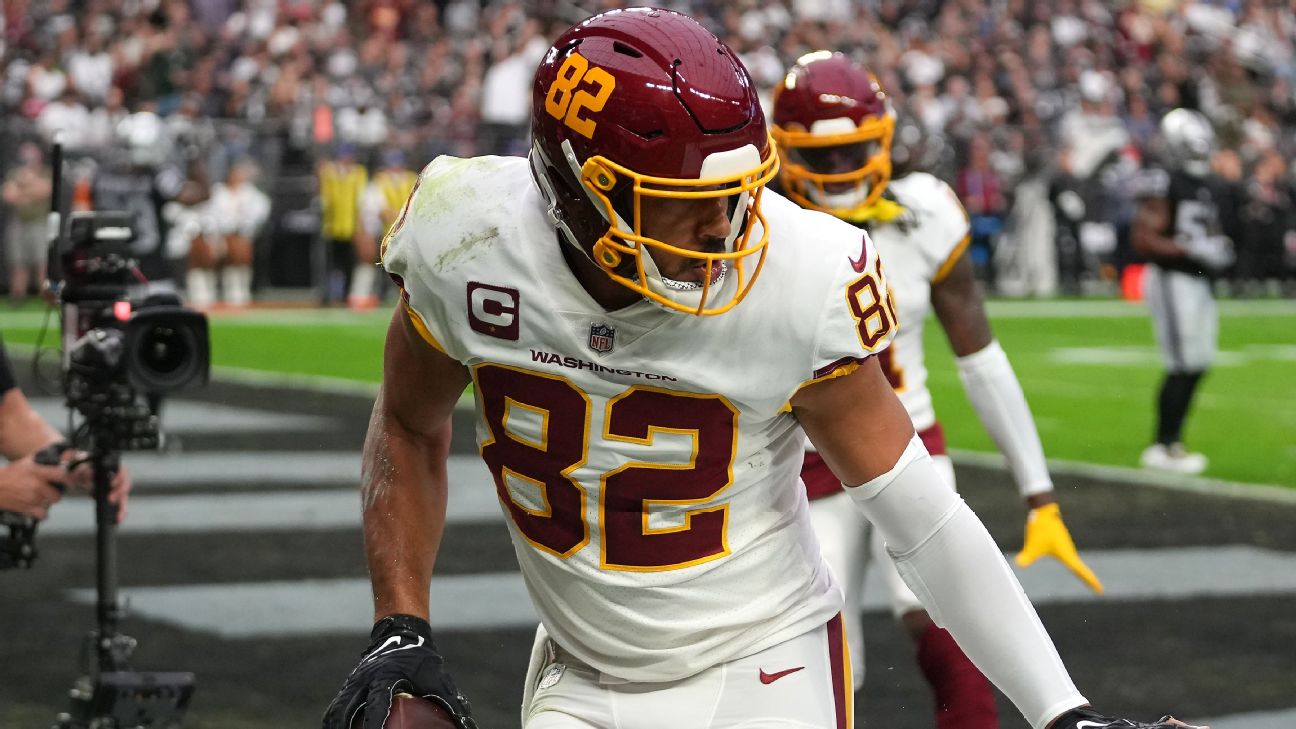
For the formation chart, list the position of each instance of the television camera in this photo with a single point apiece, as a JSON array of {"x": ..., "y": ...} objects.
[{"x": 120, "y": 356}]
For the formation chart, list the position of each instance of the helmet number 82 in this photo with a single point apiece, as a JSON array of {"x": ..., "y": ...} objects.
[{"x": 566, "y": 103}]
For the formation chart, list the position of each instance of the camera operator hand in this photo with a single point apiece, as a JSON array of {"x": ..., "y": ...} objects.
[
  {"x": 30, "y": 488},
  {"x": 81, "y": 478}
]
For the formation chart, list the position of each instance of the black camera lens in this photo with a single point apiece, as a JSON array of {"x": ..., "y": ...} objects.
[{"x": 166, "y": 349}]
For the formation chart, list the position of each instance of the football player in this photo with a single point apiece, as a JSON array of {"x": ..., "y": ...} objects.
[
  {"x": 1177, "y": 229},
  {"x": 647, "y": 343},
  {"x": 834, "y": 125}
]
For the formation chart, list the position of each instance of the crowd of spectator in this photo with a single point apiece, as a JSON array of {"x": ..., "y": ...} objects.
[{"x": 1038, "y": 112}]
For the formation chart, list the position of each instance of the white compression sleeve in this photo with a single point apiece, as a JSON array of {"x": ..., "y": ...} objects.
[
  {"x": 997, "y": 396},
  {"x": 948, "y": 559}
]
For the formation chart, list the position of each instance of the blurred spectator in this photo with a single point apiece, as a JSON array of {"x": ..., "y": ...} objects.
[
  {"x": 90, "y": 68},
  {"x": 65, "y": 115},
  {"x": 383, "y": 200},
  {"x": 139, "y": 175},
  {"x": 982, "y": 194},
  {"x": 100, "y": 128},
  {"x": 1268, "y": 207},
  {"x": 341, "y": 182},
  {"x": 506, "y": 94},
  {"x": 235, "y": 215},
  {"x": 26, "y": 193},
  {"x": 1076, "y": 80}
]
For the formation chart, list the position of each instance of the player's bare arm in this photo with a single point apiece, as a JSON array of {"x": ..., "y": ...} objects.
[
  {"x": 1151, "y": 218},
  {"x": 960, "y": 307},
  {"x": 855, "y": 421},
  {"x": 403, "y": 487},
  {"x": 403, "y": 471}
]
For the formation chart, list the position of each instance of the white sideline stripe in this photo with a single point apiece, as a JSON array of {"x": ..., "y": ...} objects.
[
  {"x": 499, "y": 600},
  {"x": 271, "y": 468},
  {"x": 241, "y": 610},
  {"x": 998, "y": 308},
  {"x": 472, "y": 499},
  {"x": 1142, "y": 477},
  {"x": 190, "y": 416},
  {"x": 254, "y": 318},
  {"x": 1280, "y": 719},
  {"x": 315, "y": 383},
  {"x": 312, "y": 383},
  {"x": 1116, "y": 308},
  {"x": 472, "y": 492}
]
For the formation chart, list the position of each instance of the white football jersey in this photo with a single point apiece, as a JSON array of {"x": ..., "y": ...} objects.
[
  {"x": 917, "y": 250},
  {"x": 646, "y": 460}
]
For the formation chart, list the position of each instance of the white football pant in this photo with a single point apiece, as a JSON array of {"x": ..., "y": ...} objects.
[{"x": 798, "y": 684}]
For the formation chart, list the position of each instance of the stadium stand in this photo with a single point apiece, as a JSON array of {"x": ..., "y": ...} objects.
[{"x": 1039, "y": 112}]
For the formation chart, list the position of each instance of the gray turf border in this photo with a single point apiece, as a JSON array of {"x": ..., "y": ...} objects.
[{"x": 1137, "y": 477}]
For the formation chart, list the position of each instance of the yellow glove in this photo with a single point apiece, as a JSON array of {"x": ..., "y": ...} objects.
[{"x": 1047, "y": 536}]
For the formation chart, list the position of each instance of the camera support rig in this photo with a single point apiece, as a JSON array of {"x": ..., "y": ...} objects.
[
  {"x": 110, "y": 695},
  {"x": 113, "y": 351}
]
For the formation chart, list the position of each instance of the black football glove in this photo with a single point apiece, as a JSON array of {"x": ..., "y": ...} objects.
[
  {"x": 401, "y": 658},
  {"x": 1086, "y": 718}
]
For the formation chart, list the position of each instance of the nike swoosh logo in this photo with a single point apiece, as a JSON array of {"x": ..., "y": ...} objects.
[
  {"x": 860, "y": 264},
  {"x": 391, "y": 645},
  {"x": 768, "y": 678},
  {"x": 1084, "y": 723}
]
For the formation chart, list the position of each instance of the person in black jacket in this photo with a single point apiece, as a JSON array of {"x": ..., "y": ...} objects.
[{"x": 28, "y": 487}]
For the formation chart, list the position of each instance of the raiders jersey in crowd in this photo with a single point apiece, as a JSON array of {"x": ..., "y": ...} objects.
[
  {"x": 1194, "y": 213},
  {"x": 646, "y": 460},
  {"x": 142, "y": 191}
]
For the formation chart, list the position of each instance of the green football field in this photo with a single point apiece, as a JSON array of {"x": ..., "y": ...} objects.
[{"x": 1089, "y": 368}]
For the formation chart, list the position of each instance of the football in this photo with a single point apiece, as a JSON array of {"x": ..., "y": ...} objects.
[{"x": 411, "y": 712}]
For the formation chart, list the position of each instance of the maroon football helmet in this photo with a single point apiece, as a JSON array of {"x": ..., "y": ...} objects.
[
  {"x": 639, "y": 103},
  {"x": 834, "y": 125}
]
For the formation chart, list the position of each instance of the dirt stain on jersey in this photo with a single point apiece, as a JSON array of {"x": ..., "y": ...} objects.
[{"x": 468, "y": 248}]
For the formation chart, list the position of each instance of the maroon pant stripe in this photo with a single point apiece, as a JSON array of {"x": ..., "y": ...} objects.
[{"x": 837, "y": 660}]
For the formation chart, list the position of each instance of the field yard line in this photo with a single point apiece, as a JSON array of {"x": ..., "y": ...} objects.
[
  {"x": 1043, "y": 383},
  {"x": 473, "y": 499},
  {"x": 250, "y": 318},
  {"x": 192, "y": 416},
  {"x": 1280, "y": 719},
  {"x": 1118, "y": 309},
  {"x": 998, "y": 309},
  {"x": 316, "y": 383},
  {"x": 1140, "y": 477},
  {"x": 499, "y": 600}
]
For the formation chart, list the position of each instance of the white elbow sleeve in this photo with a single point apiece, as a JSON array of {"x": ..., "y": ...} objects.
[
  {"x": 997, "y": 396},
  {"x": 948, "y": 559}
]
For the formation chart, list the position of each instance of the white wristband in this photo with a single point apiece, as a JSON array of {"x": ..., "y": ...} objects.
[
  {"x": 948, "y": 559},
  {"x": 997, "y": 396}
]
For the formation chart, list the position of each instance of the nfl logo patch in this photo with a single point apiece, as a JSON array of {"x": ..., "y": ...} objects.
[{"x": 601, "y": 338}]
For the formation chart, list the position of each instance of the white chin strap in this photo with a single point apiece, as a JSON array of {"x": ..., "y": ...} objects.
[
  {"x": 685, "y": 293},
  {"x": 689, "y": 293},
  {"x": 848, "y": 200}
]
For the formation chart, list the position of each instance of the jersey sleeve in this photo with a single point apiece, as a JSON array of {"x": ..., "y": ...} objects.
[
  {"x": 859, "y": 315},
  {"x": 407, "y": 253},
  {"x": 951, "y": 230},
  {"x": 1151, "y": 183}
]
